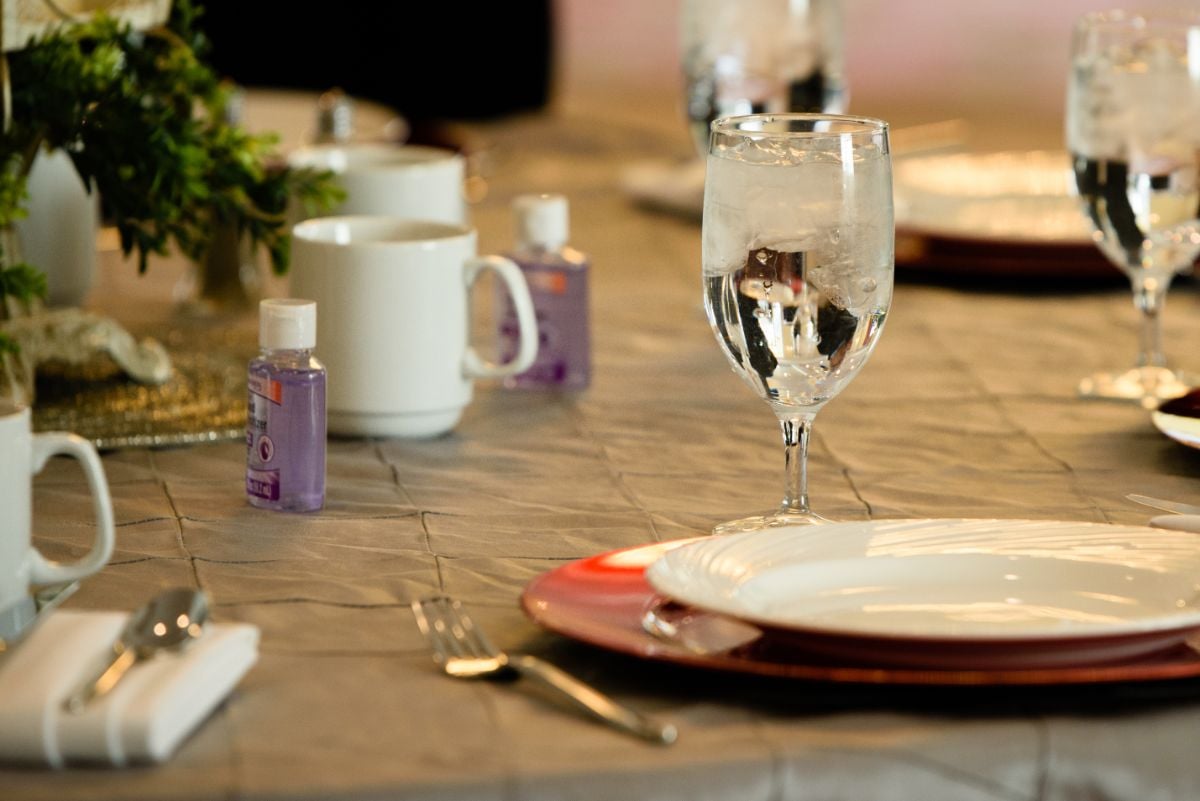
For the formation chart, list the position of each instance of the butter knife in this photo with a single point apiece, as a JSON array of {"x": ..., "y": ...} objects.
[{"x": 1165, "y": 505}]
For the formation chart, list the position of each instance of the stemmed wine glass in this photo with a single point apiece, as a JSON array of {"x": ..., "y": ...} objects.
[
  {"x": 754, "y": 56},
  {"x": 1133, "y": 130},
  {"x": 798, "y": 263}
]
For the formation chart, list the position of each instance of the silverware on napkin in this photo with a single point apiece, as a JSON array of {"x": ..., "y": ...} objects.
[
  {"x": 462, "y": 651},
  {"x": 169, "y": 621}
]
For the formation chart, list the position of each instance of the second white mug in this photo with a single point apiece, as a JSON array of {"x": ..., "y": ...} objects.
[
  {"x": 422, "y": 183},
  {"x": 393, "y": 297}
]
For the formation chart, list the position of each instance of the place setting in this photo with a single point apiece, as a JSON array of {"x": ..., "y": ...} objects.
[
  {"x": 492, "y": 504},
  {"x": 96, "y": 687},
  {"x": 798, "y": 267}
]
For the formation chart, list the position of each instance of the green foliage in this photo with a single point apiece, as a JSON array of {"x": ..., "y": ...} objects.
[
  {"x": 23, "y": 282},
  {"x": 142, "y": 117},
  {"x": 12, "y": 190}
]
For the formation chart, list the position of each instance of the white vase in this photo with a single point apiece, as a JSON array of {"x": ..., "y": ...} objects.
[{"x": 59, "y": 235}]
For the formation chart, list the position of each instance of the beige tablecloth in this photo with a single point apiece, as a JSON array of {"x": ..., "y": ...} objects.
[{"x": 966, "y": 409}]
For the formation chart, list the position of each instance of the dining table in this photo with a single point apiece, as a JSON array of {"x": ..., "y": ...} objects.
[{"x": 966, "y": 409}]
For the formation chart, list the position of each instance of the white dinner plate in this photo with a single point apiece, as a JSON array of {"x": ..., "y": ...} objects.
[
  {"x": 951, "y": 592},
  {"x": 671, "y": 186},
  {"x": 1179, "y": 419},
  {"x": 1013, "y": 197},
  {"x": 1184, "y": 430},
  {"x": 1007, "y": 196}
]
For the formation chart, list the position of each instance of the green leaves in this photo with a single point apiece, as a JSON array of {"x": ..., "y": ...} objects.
[
  {"x": 143, "y": 120},
  {"x": 13, "y": 192},
  {"x": 23, "y": 282}
]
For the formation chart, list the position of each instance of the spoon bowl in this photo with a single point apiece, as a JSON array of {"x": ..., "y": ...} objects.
[{"x": 168, "y": 622}]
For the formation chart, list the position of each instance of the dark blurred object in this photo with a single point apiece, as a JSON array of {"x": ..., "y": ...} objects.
[
  {"x": 335, "y": 117},
  {"x": 427, "y": 61},
  {"x": 922, "y": 255}
]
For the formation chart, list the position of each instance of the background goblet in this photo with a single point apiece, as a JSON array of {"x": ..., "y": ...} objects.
[
  {"x": 754, "y": 56},
  {"x": 798, "y": 263},
  {"x": 1133, "y": 130}
]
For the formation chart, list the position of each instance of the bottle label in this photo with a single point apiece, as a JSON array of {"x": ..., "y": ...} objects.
[
  {"x": 265, "y": 387},
  {"x": 257, "y": 415},
  {"x": 551, "y": 282},
  {"x": 261, "y": 480},
  {"x": 263, "y": 484}
]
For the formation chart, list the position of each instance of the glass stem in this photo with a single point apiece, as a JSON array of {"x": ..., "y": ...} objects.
[
  {"x": 1148, "y": 296},
  {"x": 796, "y": 430}
]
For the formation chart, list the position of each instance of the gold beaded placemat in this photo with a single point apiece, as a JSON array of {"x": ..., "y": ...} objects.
[{"x": 203, "y": 401}]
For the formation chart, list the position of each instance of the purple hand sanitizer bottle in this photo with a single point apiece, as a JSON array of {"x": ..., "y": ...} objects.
[
  {"x": 285, "y": 419},
  {"x": 558, "y": 283}
]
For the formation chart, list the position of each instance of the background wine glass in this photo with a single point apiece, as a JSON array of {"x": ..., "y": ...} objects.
[
  {"x": 754, "y": 56},
  {"x": 798, "y": 261},
  {"x": 1133, "y": 130}
]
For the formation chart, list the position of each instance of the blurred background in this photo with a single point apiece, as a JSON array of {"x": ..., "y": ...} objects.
[{"x": 999, "y": 65}]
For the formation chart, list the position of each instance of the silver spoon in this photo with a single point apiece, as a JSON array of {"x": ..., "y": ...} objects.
[{"x": 168, "y": 622}]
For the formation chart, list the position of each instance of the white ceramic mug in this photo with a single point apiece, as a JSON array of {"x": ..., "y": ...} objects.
[
  {"x": 393, "y": 297},
  {"x": 22, "y": 454},
  {"x": 420, "y": 183}
]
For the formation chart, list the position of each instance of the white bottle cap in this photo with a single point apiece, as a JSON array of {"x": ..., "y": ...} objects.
[
  {"x": 542, "y": 221},
  {"x": 287, "y": 324}
]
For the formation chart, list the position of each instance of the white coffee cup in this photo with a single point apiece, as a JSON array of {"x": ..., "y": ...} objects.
[
  {"x": 22, "y": 454},
  {"x": 393, "y": 297},
  {"x": 420, "y": 183}
]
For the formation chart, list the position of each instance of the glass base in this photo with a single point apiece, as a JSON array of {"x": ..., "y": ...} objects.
[
  {"x": 1147, "y": 386},
  {"x": 776, "y": 519}
]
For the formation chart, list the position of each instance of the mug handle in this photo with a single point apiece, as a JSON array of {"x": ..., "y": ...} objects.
[
  {"x": 42, "y": 570},
  {"x": 518, "y": 290}
]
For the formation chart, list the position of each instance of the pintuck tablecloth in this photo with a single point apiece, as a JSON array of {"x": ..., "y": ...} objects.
[{"x": 967, "y": 408}]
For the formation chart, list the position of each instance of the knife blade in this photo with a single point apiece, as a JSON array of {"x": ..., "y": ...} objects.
[{"x": 1165, "y": 505}]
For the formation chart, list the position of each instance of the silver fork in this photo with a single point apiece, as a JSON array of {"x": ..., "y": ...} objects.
[{"x": 462, "y": 651}]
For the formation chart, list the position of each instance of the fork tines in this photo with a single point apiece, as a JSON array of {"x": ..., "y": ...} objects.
[{"x": 450, "y": 630}]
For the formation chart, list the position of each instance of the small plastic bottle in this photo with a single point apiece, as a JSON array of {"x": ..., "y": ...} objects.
[
  {"x": 558, "y": 283},
  {"x": 285, "y": 419}
]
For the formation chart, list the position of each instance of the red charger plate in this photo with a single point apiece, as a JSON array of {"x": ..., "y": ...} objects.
[{"x": 603, "y": 600}]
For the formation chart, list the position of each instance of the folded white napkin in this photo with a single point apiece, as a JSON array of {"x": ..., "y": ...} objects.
[
  {"x": 143, "y": 719},
  {"x": 1177, "y": 522}
]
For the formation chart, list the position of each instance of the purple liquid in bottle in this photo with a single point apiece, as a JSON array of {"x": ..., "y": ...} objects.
[
  {"x": 557, "y": 276},
  {"x": 558, "y": 286},
  {"x": 285, "y": 419}
]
